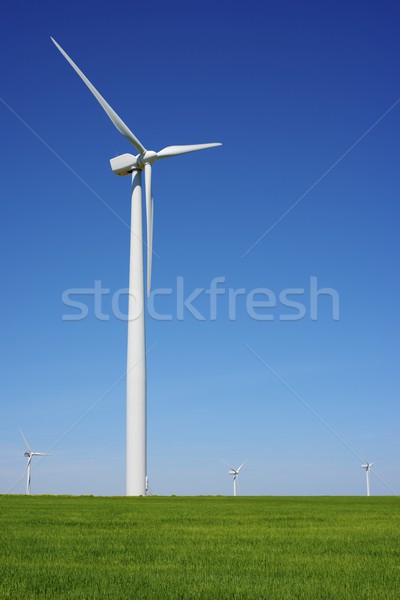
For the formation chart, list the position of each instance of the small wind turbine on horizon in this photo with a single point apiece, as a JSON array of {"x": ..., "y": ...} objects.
[
  {"x": 234, "y": 473},
  {"x": 367, "y": 466},
  {"x": 29, "y": 454},
  {"x": 128, "y": 164}
]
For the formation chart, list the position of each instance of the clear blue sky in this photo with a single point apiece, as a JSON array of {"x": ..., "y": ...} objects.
[{"x": 288, "y": 88}]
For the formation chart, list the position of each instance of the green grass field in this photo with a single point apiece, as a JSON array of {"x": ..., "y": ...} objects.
[{"x": 205, "y": 547}]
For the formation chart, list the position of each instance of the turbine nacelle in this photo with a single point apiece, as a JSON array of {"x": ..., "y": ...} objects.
[
  {"x": 27, "y": 454},
  {"x": 124, "y": 164},
  {"x": 367, "y": 466}
]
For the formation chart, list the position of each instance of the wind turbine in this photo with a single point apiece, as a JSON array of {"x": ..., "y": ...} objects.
[
  {"x": 128, "y": 164},
  {"x": 234, "y": 473},
  {"x": 367, "y": 466},
  {"x": 29, "y": 455}
]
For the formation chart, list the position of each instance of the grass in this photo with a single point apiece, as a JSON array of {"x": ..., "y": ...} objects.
[{"x": 204, "y": 547}]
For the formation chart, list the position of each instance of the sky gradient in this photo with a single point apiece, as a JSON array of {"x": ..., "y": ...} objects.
[{"x": 305, "y": 98}]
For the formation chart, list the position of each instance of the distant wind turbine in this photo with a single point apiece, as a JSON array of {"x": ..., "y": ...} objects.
[
  {"x": 29, "y": 455},
  {"x": 367, "y": 466},
  {"x": 234, "y": 473},
  {"x": 135, "y": 166}
]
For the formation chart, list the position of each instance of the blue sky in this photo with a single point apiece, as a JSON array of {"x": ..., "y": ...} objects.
[{"x": 289, "y": 88}]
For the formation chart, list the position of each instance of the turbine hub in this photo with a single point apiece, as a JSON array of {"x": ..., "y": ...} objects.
[{"x": 147, "y": 158}]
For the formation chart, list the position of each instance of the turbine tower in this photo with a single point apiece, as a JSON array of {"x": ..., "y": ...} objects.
[
  {"x": 234, "y": 473},
  {"x": 28, "y": 454},
  {"x": 367, "y": 466},
  {"x": 128, "y": 164}
]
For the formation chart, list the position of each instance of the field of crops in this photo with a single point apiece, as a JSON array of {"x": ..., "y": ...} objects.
[{"x": 199, "y": 547}]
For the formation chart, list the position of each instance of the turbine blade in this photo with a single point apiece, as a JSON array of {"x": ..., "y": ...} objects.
[
  {"x": 40, "y": 454},
  {"x": 176, "y": 150},
  {"x": 149, "y": 219},
  {"x": 242, "y": 465},
  {"x": 117, "y": 121},
  {"x": 25, "y": 440},
  {"x": 231, "y": 468}
]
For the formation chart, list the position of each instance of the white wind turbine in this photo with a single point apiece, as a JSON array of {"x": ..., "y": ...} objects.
[
  {"x": 28, "y": 454},
  {"x": 234, "y": 473},
  {"x": 128, "y": 164},
  {"x": 367, "y": 466}
]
